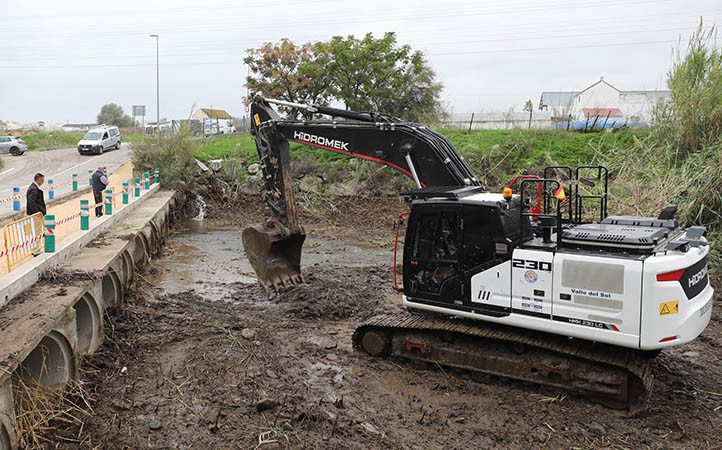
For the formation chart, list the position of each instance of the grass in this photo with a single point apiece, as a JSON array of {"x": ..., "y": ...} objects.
[
  {"x": 49, "y": 140},
  {"x": 496, "y": 155},
  {"x": 227, "y": 147}
]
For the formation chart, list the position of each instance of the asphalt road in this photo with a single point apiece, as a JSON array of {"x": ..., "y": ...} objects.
[{"x": 58, "y": 165}]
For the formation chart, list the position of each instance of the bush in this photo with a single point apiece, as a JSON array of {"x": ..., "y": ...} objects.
[
  {"x": 693, "y": 119},
  {"x": 172, "y": 154},
  {"x": 680, "y": 161}
]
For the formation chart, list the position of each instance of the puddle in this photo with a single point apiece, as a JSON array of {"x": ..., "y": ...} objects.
[{"x": 206, "y": 258}]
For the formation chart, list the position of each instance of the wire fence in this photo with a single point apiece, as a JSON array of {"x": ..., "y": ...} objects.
[{"x": 498, "y": 120}]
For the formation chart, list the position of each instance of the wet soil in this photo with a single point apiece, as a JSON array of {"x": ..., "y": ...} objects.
[{"x": 202, "y": 358}]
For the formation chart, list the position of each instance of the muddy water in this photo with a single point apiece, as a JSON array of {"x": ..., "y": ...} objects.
[{"x": 207, "y": 256}]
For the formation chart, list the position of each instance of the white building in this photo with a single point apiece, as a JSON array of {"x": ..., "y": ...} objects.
[
  {"x": 603, "y": 101},
  {"x": 207, "y": 113}
]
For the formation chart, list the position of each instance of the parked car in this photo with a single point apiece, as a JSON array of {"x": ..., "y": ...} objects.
[
  {"x": 99, "y": 139},
  {"x": 13, "y": 145}
]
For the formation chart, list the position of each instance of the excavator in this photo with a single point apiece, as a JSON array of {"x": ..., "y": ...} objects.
[{"x": 496, "y": 283}]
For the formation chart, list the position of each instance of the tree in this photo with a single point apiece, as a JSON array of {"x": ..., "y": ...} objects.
[
  {"x": 286, "y": 71},
  {"x": 363, "y": 74},
  {"x": 379, "y": 74},
  {"x": 112, "y": 114}
]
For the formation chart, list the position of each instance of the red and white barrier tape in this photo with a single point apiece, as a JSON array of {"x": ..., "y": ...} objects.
[
  {"x": 12, "y": 197},
  {"x": 67, "y": 219},
  {"x": 19, "y": 246}
]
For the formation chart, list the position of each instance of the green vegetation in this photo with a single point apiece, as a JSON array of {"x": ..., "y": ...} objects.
[
  {"x": 227, "y": 147},
  {"x": 112, "y": 114},
  {"x": 173, "y": 154},
  {"x": 48, "y": 140},
  {"x": 681, "y": 160},
  {"x": 496, "y": 155}
]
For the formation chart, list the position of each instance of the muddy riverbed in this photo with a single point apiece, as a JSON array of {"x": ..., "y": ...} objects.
[{"x": 202, "y": 358}]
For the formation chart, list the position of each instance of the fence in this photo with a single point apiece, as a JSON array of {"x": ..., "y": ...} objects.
[
  {"x": 498, "y": 120},
  {"x": 24, "y": 237}
]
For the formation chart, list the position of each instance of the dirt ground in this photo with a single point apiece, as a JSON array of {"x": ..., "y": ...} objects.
[{"x": 201, "y": 360}]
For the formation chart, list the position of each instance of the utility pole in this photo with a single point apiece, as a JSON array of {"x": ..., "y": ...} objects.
[{"x": 157, "y": 84}]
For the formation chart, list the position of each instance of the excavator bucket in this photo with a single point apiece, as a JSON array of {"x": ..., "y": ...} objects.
[{"x": 275, "y": 258}]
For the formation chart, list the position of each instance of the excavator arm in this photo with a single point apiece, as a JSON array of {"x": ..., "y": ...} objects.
[{"x": 274, "y": 248}]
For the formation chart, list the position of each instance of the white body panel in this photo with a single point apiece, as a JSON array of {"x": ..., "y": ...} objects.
[
  {"x": 692, "y": 315},
  {"x": 611, "y": 300},
  {"x": 532, "y": 279},
  {"x": 492, "y": 286},
  {"x": 538, "y": 324},
  {"x": 601, "y": 292}
]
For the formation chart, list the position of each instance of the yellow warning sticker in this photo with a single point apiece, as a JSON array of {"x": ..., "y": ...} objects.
[
  {"x": 257, "y": 119},
  {"x": 668, "y": 308}
]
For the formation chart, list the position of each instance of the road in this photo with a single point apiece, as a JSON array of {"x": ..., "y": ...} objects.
[{"x": 58, "y": 165}]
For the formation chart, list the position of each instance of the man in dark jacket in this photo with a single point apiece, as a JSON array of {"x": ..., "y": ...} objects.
[
  {"x": 100, "y": 182},
  {"x": 35, "y": 200}
]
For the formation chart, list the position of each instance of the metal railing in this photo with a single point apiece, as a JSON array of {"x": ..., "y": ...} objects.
[{"x": 23, "y": 237}]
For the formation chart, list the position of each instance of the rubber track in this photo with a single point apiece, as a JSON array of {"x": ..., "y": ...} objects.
[{"x": 634, "y": 362}]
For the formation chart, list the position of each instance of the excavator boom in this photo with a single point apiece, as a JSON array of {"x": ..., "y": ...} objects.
[{"x": 274, "y": 248}]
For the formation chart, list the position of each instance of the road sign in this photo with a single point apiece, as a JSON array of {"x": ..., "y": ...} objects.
[{"x": 139, "y": 110}]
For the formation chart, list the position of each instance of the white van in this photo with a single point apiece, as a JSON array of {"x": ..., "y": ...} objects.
[
  {"x": 99, "y": 139},
  {"x": 218, "y": 126}
]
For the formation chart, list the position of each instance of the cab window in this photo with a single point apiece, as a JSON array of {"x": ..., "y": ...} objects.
[
  {"x": 433, "y": 255},
  {"x": 436, "y": 237}
]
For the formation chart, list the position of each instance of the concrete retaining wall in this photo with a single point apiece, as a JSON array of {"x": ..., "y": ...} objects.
[
  {"x": 47, "y": 328},
  {"x": 27, "y": 273}
]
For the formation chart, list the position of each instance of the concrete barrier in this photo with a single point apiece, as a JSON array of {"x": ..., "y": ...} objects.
[
  {"x": 27, "y": 274},
  {"x": 52, "y": 324}
]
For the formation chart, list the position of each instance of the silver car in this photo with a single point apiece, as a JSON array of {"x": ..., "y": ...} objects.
[{"x": 13, "y": 145}]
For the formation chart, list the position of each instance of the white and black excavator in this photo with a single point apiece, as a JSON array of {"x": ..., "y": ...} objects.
[{"x": 492, "y": 283}]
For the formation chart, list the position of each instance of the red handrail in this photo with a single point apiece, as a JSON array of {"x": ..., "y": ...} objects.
[{"x": 396, "y": 246}]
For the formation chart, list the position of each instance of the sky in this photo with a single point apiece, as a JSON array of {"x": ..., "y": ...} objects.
[{"x": 63, "y": 60}]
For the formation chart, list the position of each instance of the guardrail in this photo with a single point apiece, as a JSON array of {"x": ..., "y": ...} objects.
[{"x": 28, "y": 235}]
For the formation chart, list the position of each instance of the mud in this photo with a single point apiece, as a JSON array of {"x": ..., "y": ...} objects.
[{"x": 202, "y": 358}]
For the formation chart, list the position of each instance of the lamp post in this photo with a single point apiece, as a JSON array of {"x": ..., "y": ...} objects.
[{"x": 157, "y": 84}]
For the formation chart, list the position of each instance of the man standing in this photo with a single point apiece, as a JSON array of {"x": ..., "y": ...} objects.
[
  {"x": 100, "y": 182},
  {"x": 35, "y": 200}
]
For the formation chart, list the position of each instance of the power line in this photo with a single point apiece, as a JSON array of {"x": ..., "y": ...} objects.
[
  {"x": 214, "y": 63},
  {"x": 387, "y": 17},
  {"x": 232, "y": 49}
]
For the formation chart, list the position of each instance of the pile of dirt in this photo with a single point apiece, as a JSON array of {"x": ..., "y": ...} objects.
[
  {"x": 61, "y": 276},
  {"x": 337, "y": 293}
]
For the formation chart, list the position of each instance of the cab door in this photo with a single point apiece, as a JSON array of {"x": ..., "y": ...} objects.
[{"x": 432, "y": 273}]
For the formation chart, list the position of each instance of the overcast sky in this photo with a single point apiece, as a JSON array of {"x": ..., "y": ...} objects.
[{"x": 62, "y": 60}]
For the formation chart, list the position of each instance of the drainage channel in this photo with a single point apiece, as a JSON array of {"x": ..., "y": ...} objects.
[{"x": 46, "y": 330}]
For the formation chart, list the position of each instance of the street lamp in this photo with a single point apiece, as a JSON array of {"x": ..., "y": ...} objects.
[{"x": 157, "y": 84}]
